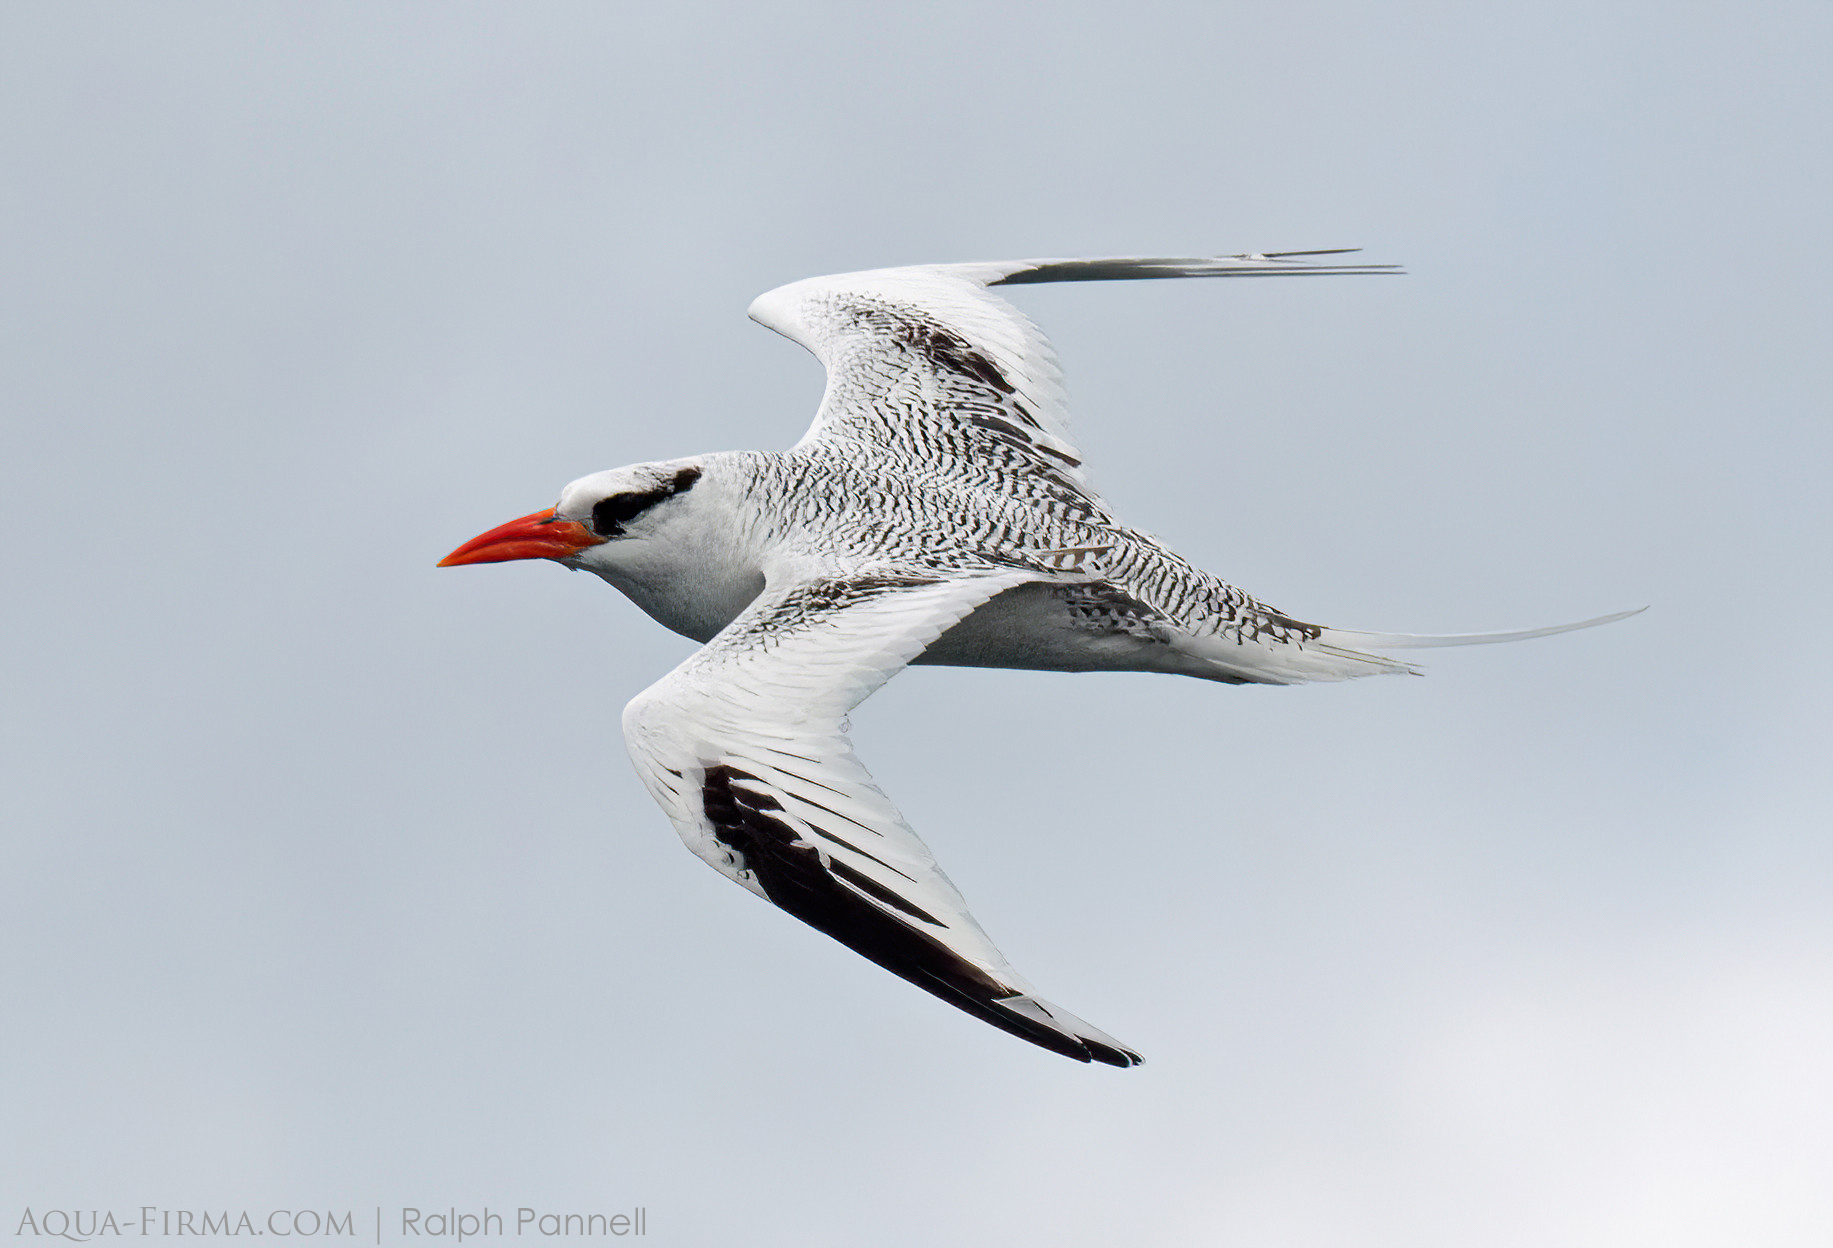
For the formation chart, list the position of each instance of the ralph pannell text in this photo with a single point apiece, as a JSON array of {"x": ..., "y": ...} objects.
[{"x": 408, "y": 1224}]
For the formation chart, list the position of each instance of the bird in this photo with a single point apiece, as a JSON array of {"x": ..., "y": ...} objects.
[{"x": 936, "y": 512}]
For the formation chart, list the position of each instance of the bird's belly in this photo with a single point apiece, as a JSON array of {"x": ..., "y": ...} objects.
[{"x": 1063, "y": 628}]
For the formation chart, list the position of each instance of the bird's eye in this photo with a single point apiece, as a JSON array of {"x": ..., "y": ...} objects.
[{"x": 610, "y": 515}]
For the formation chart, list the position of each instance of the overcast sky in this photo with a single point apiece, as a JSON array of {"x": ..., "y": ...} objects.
[{"x": 328, "y": 883}]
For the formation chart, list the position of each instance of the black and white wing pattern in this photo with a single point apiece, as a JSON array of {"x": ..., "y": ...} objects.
[
  {"x": 744, "y": 746},
  {"x": 928, "y": 364}
]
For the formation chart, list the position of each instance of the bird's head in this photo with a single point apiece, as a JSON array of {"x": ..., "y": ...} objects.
[{"x": 595, "y": 517}]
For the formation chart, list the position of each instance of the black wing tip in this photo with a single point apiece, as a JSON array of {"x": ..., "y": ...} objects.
[
  {"x": 1242, "y": 264},
  {"x": 872, "y": 921},
  {"x": 1069, "y": 1043},
  {"x": 1123, "y": 1058},
  {"x": 1050, "y": 1027}
]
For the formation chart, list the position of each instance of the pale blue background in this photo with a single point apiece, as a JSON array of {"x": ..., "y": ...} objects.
[{"x": 327, "y": 883}]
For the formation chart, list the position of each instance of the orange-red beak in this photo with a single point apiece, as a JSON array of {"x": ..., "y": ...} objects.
[{"x": 534, "y": 536}]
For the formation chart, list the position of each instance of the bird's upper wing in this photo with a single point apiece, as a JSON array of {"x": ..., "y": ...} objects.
[
  {"x": 927, "y": 363},
  {"x": 744, "y": 746}
]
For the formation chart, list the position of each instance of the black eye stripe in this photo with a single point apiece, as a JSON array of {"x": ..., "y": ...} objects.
[{"x": 610, "y": 515}]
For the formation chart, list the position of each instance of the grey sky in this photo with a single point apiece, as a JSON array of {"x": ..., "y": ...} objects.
[{"x": 330, "y": 884}]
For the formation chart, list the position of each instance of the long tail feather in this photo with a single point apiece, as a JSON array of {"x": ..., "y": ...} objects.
[{"x": 1356, "y": 639}]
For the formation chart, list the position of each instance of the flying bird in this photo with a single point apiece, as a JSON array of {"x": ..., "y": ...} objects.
[{"x": 936, "y": 511}]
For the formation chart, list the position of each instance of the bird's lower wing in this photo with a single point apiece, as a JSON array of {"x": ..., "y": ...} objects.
[{"x": 743, "y": 745}]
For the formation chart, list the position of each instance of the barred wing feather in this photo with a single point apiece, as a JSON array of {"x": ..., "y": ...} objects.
[{"x": 927, "y": 363}]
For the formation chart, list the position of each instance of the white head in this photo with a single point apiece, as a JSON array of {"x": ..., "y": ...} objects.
[{"x": 593, "y": 516}]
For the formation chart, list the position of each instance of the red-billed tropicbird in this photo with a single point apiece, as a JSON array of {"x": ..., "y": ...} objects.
[{"x": 935, "y": 512}]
